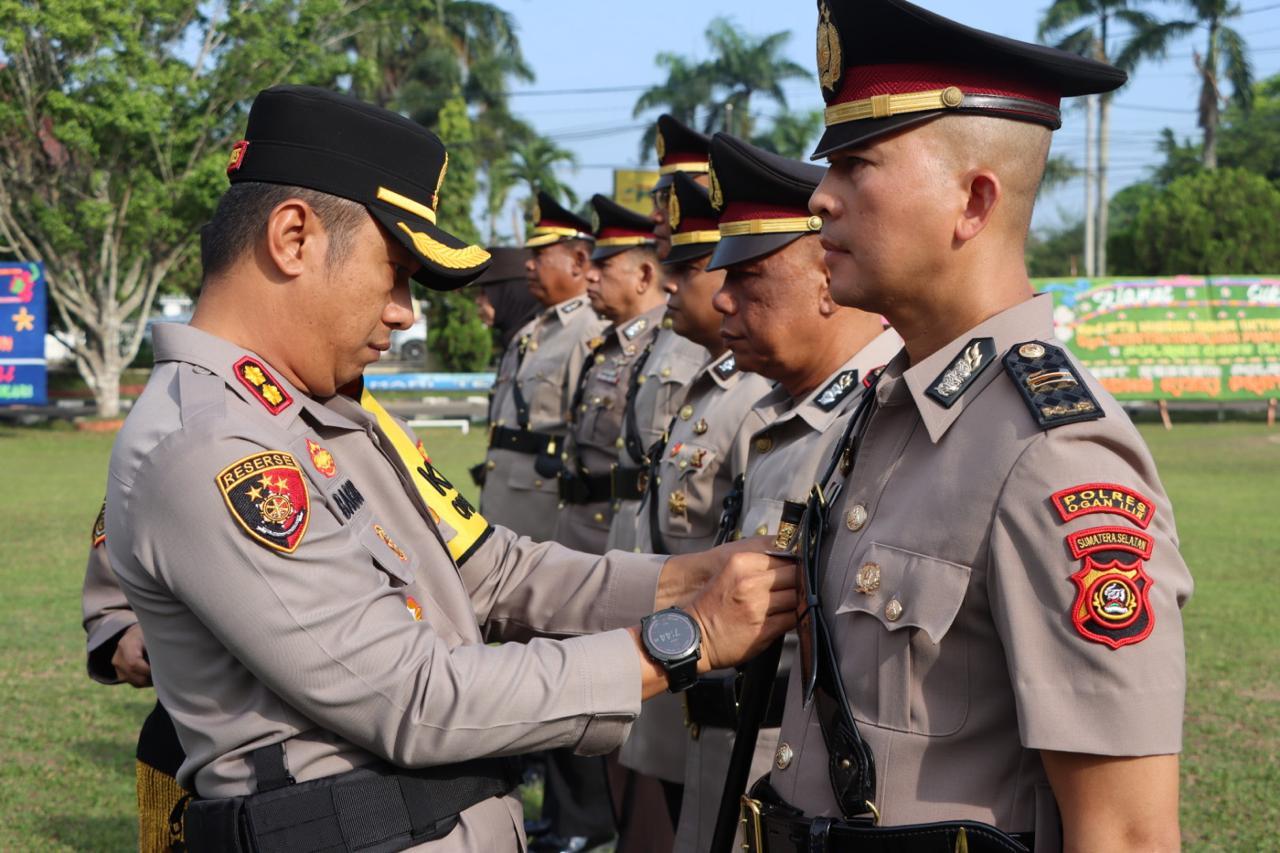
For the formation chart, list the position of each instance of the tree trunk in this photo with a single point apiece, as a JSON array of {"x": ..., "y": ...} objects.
[
  {"x": 1104, "y": 139},
  {"x": 1209, "y": 99},
  {"x": 1090, "y": 187},
  {"x": 106, "y": 388}
]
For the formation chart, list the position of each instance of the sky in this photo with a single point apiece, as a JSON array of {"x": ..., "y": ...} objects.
[{"x": 578, "y": 45}]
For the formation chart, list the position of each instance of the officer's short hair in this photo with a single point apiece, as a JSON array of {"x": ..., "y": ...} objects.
[{"x": 242, "y": 215}]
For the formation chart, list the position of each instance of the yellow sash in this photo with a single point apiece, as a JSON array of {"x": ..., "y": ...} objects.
[{"x": 445, "y": 503}]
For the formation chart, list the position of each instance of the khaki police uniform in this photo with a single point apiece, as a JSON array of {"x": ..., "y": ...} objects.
[
  {"x": 297, "y": 587},
  {"x": 706, "y": 450},
  {"x": 784, "y": 459},
  {"x": 103, "y": 606},
  {"x": 544, "y": 359},
  {"x": 1002, "y": 577},
  {"x": 659, "y": 391},
  {"x": 583, "y": 524}
]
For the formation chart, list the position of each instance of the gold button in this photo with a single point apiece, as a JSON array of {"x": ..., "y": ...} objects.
[
  {"x": 814, "y": 223},
  {"x": 640, "y": 380},
  {"x": 666, "y": 371},
  {"x": 952, "y": 97},
  {"x": 598, "y": 517},
  {"x": 762, "y": 530},
  {"x": 1031, "y": 351},
  {"x": 700, "y": 427},
  {"x": 868, "y": 579},
  {"x": 764, "y": 444},
  {"x": 666, "y": 323},
  {"x": 782, "y": 758},
  {"x": 695, "y": 731},
  {"x": 619, "y": 443},
  {"x": 582, "y": 408},
  {"x": 893, "y": 610},
  {"x": 617, "y": 505},
  {"x": 856, "y": 517},
  {"x": 537, "y": 484},
  {"x": 599, "y": 359},
  {"x": 491, "y": 464},
  {"x": 630, "y": 350},
  {"x": 595, "y": 401},
  {"x": 686, "y": 412},
  {"x": 560, "y": 505},
  {"x": 682, "y": 464}
]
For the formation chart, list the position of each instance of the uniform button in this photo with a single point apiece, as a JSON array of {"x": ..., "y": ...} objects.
[
  {"x": 686, "y": 412},
  {"x": 764, "y": 444},
  {"x": 695, "y": 731},
  {"x": 893, "y": 610},
  {"x": 560, "y": 505},
  {"x": 595, "y": 401},
  {"x": 582, "y": 408},
  {"x": 619, "y": 443},
  {"x": 700, "y": 427},
  {"x": 491, "y": 464},
  {"x": 598, "y": 517},
  {"x": 682, "y": 464},
  {"x": 868, "y": 579},
  {"x": 599, "y": 359},
  {"x": 617, "y": 505},
  {"x": 630, "y": 349},
  {"x": 666, "y": 371},
  {"x": 537, "y": 484},
  {"x": 564, "y": 457},
  {"x": 782, "y": 758},
  {"x": 762, "y": 530},
  {"x": 640, "y": 380},
  {"x": 856, "y": 517}
]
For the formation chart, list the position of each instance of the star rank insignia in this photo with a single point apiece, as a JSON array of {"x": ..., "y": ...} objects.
[
  {"x": 267, "y": 495},
  {"x": 836, "y": 390},
  {"x": 976, "y": 357},
  {"x": 262, "y": 385},
  {"x": 727, "y": 367},
  {"x": 1050, "y": 384},
  {"x": 570, "y": 307},
  {"x": 636, "y": 328}
]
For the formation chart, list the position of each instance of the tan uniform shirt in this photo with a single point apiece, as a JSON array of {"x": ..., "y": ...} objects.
[
  {"x": 555, "y": 347},
  {"x": 785, "y": 457},
  {"x": 661, "y": 387},
  {"x": 317, "y": 604},
  {"x": 104, "y": 608},
  {"x": 706, "y": 451},
  {"x": 592, "y": 449},
  {"x": 972, "y": 611}
]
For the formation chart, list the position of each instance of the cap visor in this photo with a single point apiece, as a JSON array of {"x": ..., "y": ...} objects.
[
  {"x": 737, "y": 250},
  {"x": 601, "y": 253},
  {"x": 688, "y": 252},
  {"x": 447, "y": 262},
  {"x": 851, "y": 133},
  {"x": 665, "y": 181}
]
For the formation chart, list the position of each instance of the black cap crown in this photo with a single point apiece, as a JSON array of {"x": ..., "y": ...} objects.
[
  {"x": 888, "y": 64},
  {"x": 618, "y": 228},
  {"x": 762, "y": 198},
  {"x": 508, "y": 265},
  {"x": 680, "y": 149},
  {"x": 321, "y": 140},
  {"x": 695, "y": 228},
  {"x": 553, "y": 223}
]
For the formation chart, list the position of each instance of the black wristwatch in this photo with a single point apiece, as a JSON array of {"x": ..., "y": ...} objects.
[{"x": 674, "y": 640}]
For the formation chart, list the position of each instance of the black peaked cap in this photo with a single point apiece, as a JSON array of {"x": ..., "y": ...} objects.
[
  {"x": 870, "y": 48},
  {"x": 309, "y": 137},
  {"x": 618, "y": 228},
  {"x": 508, "y": 265},
  {"x": 555, "y": 223},
  {"x": 694, "y": 222},
  {"x": 680, "y": 149},
  {"x": 762, "y": 199}
]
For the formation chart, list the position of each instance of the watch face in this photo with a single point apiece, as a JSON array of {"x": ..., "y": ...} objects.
[{"x": 671, "y": 634}]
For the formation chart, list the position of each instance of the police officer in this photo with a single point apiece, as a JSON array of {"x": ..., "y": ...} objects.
[
  {"x": 538, "y": 374},
  {"x": 502, "y": 297},
  {"x": 315, "y": 595},
  {"x": 994, "y": 642},
  {"x": 665, "y": 370},
  {"x": 625, "y": 286},
  {"x": 776, "y": 313}
]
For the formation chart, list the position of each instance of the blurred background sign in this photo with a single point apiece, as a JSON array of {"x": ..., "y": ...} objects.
[
  {"x": 631, "y": 188},
  {"x": 22, "y": 329}
]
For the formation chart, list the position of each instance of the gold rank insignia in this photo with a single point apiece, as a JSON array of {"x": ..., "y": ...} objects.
[
  {"x": 673, "y": 211},
  {"x": 678, "y": 503},
  {"x": 830, "y": 60},
  {"x": 785, "y": 537},
  {"x": 262, "y": 385}
]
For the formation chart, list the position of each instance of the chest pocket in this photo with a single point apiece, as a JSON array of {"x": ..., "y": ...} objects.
[
  {"x": 543, "y": 390},
  {"x": 390, "y": 553},
  {"x": 760, "y": 517},
  {"x": 905, "y": 665},
  {"x": 692, "y": 469}
]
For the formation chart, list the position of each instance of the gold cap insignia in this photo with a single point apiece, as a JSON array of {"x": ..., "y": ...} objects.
[
  {"x": 661, "y": 145},
  {"x": 435, "y": 197},
  {"x": 830, "y": 60},
  {"x": 673, "y": 211},
  {"x": 717, "y": 194},
  {"x": 595, "y": 220},
  {"x": 537, "y": 212}
]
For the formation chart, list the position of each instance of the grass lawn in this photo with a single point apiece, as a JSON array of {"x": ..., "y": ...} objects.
[{"x": 66, "y": 744}]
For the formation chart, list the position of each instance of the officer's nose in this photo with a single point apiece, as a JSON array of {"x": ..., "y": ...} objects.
[
  {"x": 399, "y": 311},
  {"x": 723, "y": 302},
  {"x": 823, "y": 203}
]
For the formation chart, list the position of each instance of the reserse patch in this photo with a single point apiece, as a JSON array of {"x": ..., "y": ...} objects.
[{"x": 267, "y": 495}]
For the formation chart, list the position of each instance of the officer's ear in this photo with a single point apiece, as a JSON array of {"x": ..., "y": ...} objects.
[
  {"x": 650, "y": 277},
  {"x": 294, "y": 240},
  {"x": 985, "y": 193},
  {"x": 581, "y": 258}
]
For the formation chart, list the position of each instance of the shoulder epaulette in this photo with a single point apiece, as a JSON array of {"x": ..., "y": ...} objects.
[
  {"x": 262, "y": 385},
  {"x": 837, "y": 389},
  {"x": 977, "y": 356},
  {"x": 1050, "y": 384}
]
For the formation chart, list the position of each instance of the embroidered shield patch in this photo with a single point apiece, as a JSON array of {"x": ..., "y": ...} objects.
[
  {"x": 1112, "y": 603},
  {"x": 267, "y": 495},
  {"x": 99, "y": 534}
]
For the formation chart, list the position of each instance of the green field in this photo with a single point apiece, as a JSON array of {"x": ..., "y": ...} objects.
[{"x": 66, "y": 744}]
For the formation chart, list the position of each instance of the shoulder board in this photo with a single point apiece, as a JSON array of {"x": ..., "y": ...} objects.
[
  {"x": 1050, "y": 384},
  {"x": 977, "y": 356},
  {"x": 727, "y": 367},
  {"x": 837, "y": 389},
  {"x": 570, "y": 307},
  {"x": 636, "y": 327},
  {"x": 262, "y": 385}
]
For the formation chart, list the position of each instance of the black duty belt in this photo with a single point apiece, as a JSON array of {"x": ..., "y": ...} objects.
[
  {"x": 523, "y": 441},
  {"x": 713, "y": 701},
  {"x": 628, "y": 484},
  {"x": 591, "y": 489},
  {"x": 373, "y": 808},
  {"x": 771, "y": 826}
]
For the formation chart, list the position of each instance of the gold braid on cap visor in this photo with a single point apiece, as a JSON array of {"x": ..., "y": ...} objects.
[
  {"x": 672, "y": 168},
  {"x": 950, "y": 98},
  {"x": 687, "y": 237},
  {"x": 770, "y": 226},
  {"x": 624, "y": 241}
]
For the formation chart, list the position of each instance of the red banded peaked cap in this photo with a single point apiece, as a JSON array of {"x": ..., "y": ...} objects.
[
  {"x": 680, "y": 149},
  {"x": 618, "y": 228},
  {"x": 554, "y": 223},
  {"x": 884, "y": 65},
  {"x": 695, "y": 227}
]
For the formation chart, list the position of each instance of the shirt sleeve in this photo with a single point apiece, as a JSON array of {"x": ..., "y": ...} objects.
[
  {"x": 105, "y": 612},
  {"x": 327, "y": 628},
  {"x": 1086, "y": 589}
]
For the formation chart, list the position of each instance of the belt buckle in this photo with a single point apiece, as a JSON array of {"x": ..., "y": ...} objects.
[{"x": 752, "y": 829}]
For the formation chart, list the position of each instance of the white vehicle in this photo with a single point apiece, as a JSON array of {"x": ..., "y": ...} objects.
[{"x": 411, "y": 344}]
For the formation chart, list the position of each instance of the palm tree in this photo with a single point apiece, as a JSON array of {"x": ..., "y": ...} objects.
[
  {"x": 792, "y": 134},
  {"x": 687, "y": 88},
  {"x": 1148, "y": 38},
  {"x": 534, "y": 164}
]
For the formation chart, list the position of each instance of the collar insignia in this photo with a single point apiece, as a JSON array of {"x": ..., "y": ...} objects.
[
  {"x": 837, "y": 389},
  {"x": 262, "y": 385},
  {"x": 976, "y": 357},
  {"x": 570, "y": 307},
  {"x": 636, "y": 327},
  {"x": 1050, "y": 384},
  {"x": 595, "y": 343},
  {"x": 727, "y": 368}
]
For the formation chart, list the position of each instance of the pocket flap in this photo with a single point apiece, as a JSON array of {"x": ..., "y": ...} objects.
[
  {"x": 904, "y": 589},
  {"x": 690, "y": 458},
  {"x": 388, "y": 551}
]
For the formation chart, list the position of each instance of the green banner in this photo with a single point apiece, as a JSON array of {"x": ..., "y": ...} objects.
[{"x": 1177, "y": 338}]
